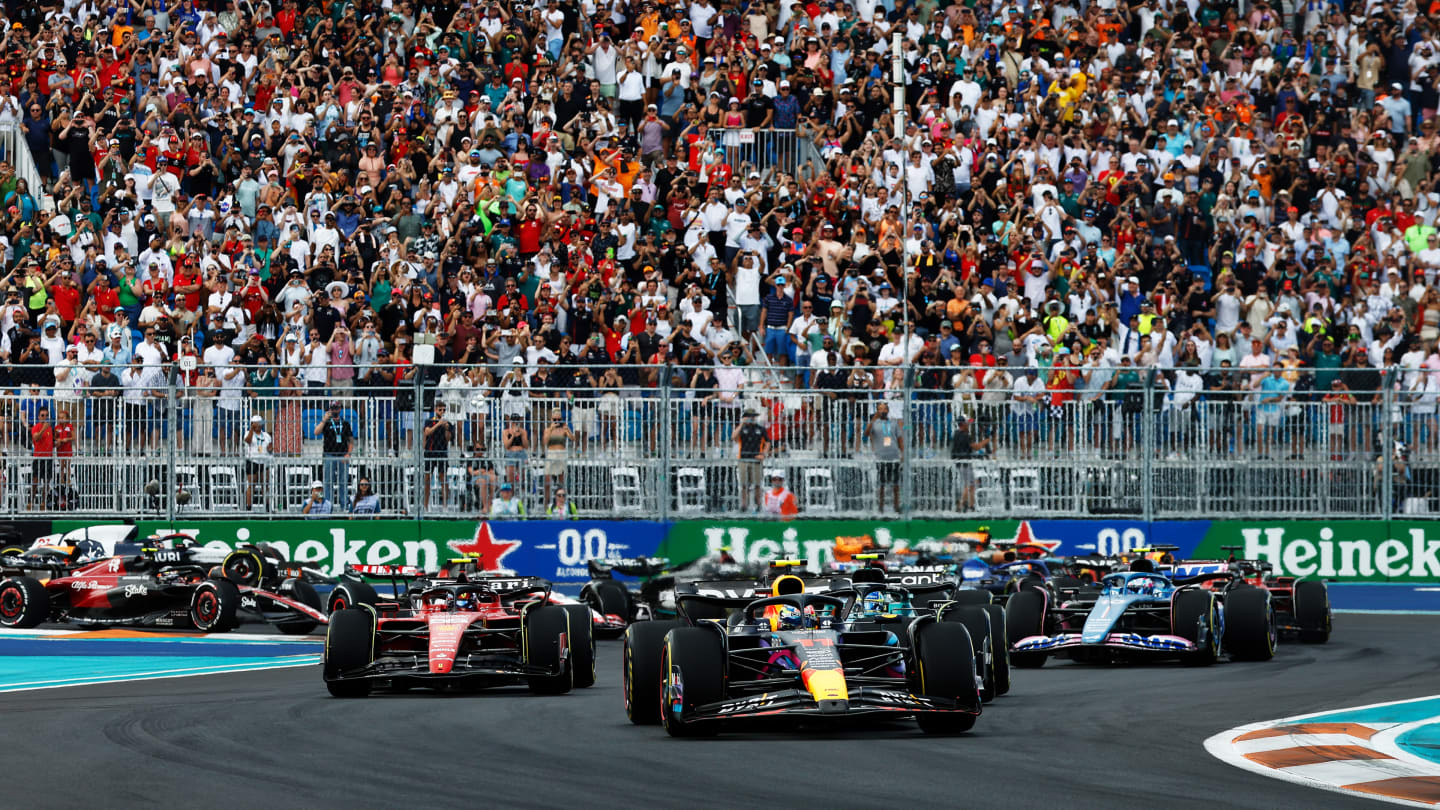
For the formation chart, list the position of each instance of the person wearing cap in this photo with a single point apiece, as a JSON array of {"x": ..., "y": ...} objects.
[
  {"x": 256, "y": 442},
  {"x": 779, "y": 501},
  {"x": 506, "y": 503},
  {"x": 337, "y": 441},
  {"x": 317, "y": 505},
  {"x": 437, "y": 434},
  {"x": 753, "y": 444}
]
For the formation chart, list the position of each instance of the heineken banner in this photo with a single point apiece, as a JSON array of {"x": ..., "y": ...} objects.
[
  {"x": 556, "y": 550},
  {"x": 1345, "y": 551}
]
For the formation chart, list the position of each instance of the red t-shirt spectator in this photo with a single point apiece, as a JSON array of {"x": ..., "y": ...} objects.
[
  {"x": 42, "y": 439},
  {"x": 67, "y": 300},
  {"x": 64, "y": 439}
]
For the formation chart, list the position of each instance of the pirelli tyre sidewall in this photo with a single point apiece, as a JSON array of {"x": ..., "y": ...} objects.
[
  {"x": 692, "y": 663},
  {"x": 940, "y": 673},
  {"x": 543, "y": 629},
  {"x": 582, "y": 645},
  {"x": 351, "y": 594},
  {"x": 213, "y": 606},
  {"x": 1249, "y": 625},
  {"x": 1312, "y": 610},
  {"x": 23, "y": 602}
]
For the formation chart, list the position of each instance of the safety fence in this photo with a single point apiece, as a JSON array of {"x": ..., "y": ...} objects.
[
  {"x": 15, "y": 150},
  {"x": 445, "y": 444},
  {"x": 783, "y": 150}
]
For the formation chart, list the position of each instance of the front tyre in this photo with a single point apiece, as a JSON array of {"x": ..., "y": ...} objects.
[
  {"x": 1312, "y": 611},
  {"x": 642, "y": 672},
  {"x": 213, "y": 606},
  {"x": 349, "y": 646},
  {"x": 23, "y": 602},
  {"x": 1025, "y": 617},
  {"x": 940, "y": 673},
  {"x": 304, "y": 593},
  {"x": 692, "y": 671},
  {"x": 544, "y": 627},
  {"x": 1249, "y": 625},
  {"x": 582, "y": 645}
]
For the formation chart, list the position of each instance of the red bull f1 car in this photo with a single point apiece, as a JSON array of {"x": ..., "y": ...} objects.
[
  {"x": 459, "y": 630},
  {"x": 794, "y": 655},
  {"x": 165, "y": 582}
]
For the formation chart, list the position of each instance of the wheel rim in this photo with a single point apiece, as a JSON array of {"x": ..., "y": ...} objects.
[
  {"x": 12, "y": 603},
  {"x": 241, "y": 569},
  {"x": 625, "y": 686},
  {"x": 338, "y": 604},
  {"x": 207, "y": 607}
]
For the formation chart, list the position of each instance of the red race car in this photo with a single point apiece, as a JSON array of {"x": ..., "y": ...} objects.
[
  {"x": 467, "y": 633},
  {"x": 1302, "y": 606}
]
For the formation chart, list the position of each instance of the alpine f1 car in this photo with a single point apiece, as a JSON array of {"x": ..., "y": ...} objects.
[
  {"x": 794, "y": 655},
  {"x": 1141, "y": 613},
  {"x": 169, "y": 582},
  {"x": 1302, "y": 606},
  {"x": 478, "y": 632}
]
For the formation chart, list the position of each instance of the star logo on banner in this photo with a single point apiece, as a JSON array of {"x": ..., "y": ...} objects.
[
  {"x": 491, "y": 552},
  {"x": 1024, "y": 536}
]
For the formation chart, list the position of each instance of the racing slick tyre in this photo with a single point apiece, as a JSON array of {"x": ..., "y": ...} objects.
[
  {"x": 999, "y": 648},
  {"x": 271, "y": 553},
  {"x": 352, "y": 594},
  {"x": 942, "y": 674},
  {"x": 23, "y": 602},
  {"x": 349, "y": 645},
  {"x": 213, "y": 606},
  {"x": 1312, "y": 611},
  {"x": 692, "y": 671},
  {"x": 582, "y": 645},
  {"x": 973, "y": 596},
  {"x": 11, "y": 550},
  {"x": 1193, "y": 610},
  {"x": 543, "y": 629},
  {"x": 608, "y": 598},
  {"x": 1249, "y": 625},
  {"x": 304, "y": 593},
  {"x": 642, "y": 672},
  {"x": 1025, "y": 617},
  {"x": 977, "y": 622},
  {"x": 246, "y": 566}
]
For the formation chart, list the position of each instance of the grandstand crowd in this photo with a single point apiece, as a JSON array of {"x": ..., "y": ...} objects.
[{"x": 297, "y": 196}]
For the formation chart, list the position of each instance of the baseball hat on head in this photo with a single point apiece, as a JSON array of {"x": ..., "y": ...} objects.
[{"x": 317, "y": 484}]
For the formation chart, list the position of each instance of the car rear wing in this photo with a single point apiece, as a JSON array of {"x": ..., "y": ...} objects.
[
  {"x": 628, "y": 566},
  {"x": 754, "y": 589}
]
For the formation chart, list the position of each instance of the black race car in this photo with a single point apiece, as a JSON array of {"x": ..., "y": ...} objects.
[
  {"x": 653, "y": 597},
  {"x": 167, "y": 583}
]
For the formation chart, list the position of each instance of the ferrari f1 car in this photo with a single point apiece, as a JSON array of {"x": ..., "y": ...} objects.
[
  {"x": 1302, "y": 606},
  {"x": 796, "y": 655},
  {"x": 1141, "y": 614},
  {"x": 481, "y": 632},
  {"x": 169, "y": 582}
]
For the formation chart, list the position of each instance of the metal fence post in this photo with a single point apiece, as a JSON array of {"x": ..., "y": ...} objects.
[
  {"x": 1147, "y": 448},
  {"x": 172, "y": 428},
  {"x": 662, "y": 479},
  {"x": 1387, "y": 447},
  {"x": 907, "y": 464},
  {"x": 417, "y": 453}
]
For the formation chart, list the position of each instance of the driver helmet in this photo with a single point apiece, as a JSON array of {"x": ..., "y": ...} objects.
[
  {"x": 874, "y": 602},
  {"x": 465, "y": 601},
  {"x": 1142, "y": 585},
  {"x": 788, "y": 617}
]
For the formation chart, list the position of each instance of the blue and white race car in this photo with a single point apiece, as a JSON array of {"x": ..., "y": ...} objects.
[{"x": 1141, "y": 613}]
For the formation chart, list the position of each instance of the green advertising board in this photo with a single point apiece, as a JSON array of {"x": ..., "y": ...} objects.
[{"x": 1342, "y": 550}]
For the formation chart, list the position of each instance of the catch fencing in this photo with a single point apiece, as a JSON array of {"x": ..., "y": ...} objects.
[
  {"x": 628, "y": 448},
  {"x": 783, "y": 150}
]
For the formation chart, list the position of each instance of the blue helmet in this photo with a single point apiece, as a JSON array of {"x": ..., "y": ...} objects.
[
  {"x": 874, "y": 602},
  {"x": 789, "y": 617}
]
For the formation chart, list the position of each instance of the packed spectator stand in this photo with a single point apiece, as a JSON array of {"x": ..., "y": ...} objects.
[{"x": 388, "y": 258}]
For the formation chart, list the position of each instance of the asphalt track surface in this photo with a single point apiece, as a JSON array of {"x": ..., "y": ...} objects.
[{"x": 1067, "y": 736}]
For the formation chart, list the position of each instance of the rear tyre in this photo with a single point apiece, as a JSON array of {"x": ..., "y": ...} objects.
[
  {"x": 1025, "y": 617},
  {"x": 940, "y": 673},
  {"x": 1195, "y": 609},
  {"x": 642, "y": 672},
  {"x": 23, "y": 602},
  {"x": 1312, "y": 611},
  {"x": 213, "y": 606},
  {"x": 608, "y": 597},
  {"x": 977, "y": 622},
  {"x": 1249, "y": 625},
  {"x": 999, "y": 648},
  {"x": 352, "y": 594},
  {"x": 304, "y": 593},
  {"x": 543, "y": 628},
  {"x": 692, "y": 670},
  {"x": 246, "y": 566},
  {"x": 582, "y": 645},
  {"x": 349, "y": 646}
]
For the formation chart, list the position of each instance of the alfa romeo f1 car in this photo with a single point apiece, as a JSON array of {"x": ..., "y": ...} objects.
[
  {"x": 795, "y": 655},
  {"x": 170, "y": 582},
  {"x": 1141, "y": 614},
  {"x": 481, "y": 632}
]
